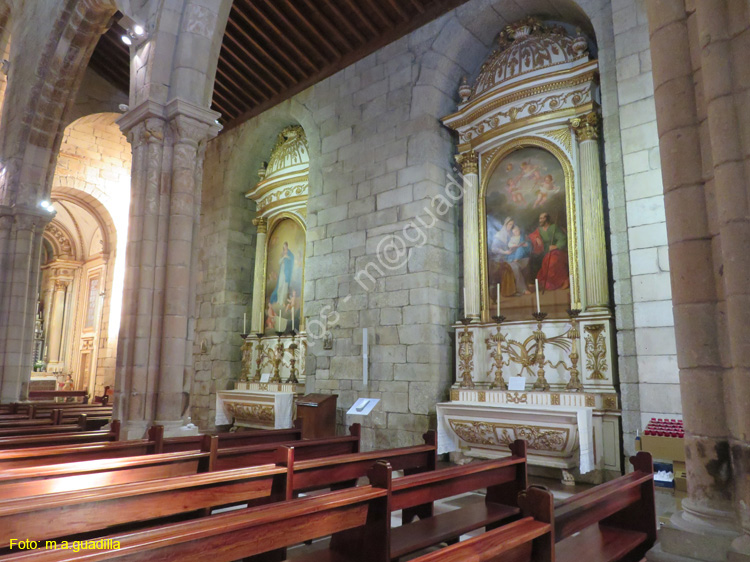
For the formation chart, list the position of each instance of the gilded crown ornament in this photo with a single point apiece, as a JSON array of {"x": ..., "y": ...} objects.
[{"x": 464, "y": 90}]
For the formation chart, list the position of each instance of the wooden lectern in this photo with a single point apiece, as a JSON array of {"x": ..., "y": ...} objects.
[{"x": 318, "y": 412}]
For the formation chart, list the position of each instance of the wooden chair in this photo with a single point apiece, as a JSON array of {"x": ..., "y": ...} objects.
[{"x": 615, "y": 521}]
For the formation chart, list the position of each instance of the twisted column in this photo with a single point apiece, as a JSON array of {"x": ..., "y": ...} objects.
[
  {"x": 256, "y": 320},
  {"x": 594, "y": 247},
  {"x": 470, "y": 169}
]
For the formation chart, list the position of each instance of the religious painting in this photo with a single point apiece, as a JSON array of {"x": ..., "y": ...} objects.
[
  {"x": 285, "y": 263},
  {"x": 527, "y": 239}
]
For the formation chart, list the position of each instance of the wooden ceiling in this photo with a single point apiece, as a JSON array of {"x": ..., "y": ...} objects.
[{"x": 273, "y": 49}]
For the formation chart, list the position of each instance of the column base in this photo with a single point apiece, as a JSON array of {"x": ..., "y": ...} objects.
[
  {"x": 687, "y": 538},
  {"x": 740, "y": 549}
]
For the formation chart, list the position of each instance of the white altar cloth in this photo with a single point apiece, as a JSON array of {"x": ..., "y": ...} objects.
[
  {"x": 283, "y": 405},
  {"x": 448, "y": 440}
]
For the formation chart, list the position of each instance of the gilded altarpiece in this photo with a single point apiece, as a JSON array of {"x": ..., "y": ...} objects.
[
  {"x": 533, "y": 214},
  {"x": 274, "y": 349}
]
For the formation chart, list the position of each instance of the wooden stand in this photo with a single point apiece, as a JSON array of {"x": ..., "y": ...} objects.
[{"x": 319, "y": 414}]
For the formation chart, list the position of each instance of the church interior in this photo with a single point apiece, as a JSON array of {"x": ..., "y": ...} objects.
[{"x": 374, "y": 280}]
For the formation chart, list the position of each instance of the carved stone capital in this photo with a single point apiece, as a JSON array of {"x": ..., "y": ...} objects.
[
  {"x": 469, "y": 162},
  {"x": 586, "y": 126},
  {"x": 261, "y": 224}
]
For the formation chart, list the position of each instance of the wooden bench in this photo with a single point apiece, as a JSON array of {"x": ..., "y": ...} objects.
[
  {"x": 530, "y": 539},
  {"x": 51, "y": 478},
  {"x": 610, "y": 522},
  {"x": 226, "y": 439},
  {"x": 56, "y": 439},
  {"x": 52, "y": 394},
  {"x": 503, "y": 479},
  {"x": 357, "y": 520},
  {"x": 343, "y": 471},
  {"x": 136, "y": 504}
]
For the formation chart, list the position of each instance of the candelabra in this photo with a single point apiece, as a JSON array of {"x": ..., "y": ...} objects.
[
  {"x": 259, "y": 358},
  {"x": 293, "y": 360},
  {"x": 466, "y": 355},
  {"x": 277, "y": 358},
  {"x": 247, "y": 357},
  {"x": 573, "y": 334},
  {"x": 499, "y": 381},
  {"x": 541, "y": 382}
]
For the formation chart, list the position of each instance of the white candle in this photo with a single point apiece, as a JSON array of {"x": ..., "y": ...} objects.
[
  {"x": 498, "y": 299},
  {"x": 244, "y": 323},
  {"x": 536, "y": 283},
  {"x": 465, "y": 315},
  {"x": 278, "y": 318},
  {"x": 292, "y": 318}
]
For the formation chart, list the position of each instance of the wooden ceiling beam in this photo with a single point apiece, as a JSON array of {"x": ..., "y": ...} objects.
[
  {"x": 243, "y": 70},
  {"x": 255, "y": 60},
  {"x": 224, "y": 96},
  {"x": 363, "y": 18},
  {"x": 399, "y": 10},
  {"x": 284, "y": 37},
  {"x": 226, "y": 115},
  {"x": 418, "y": 5},
  {"x": 346, "y": 22},
  {"x": 331, "y": 28},
  {"x": 375, "y": 7},
  {"x": 244, "y": 89},
  {"x": 249, "y": 21},
  {"x": 312, "y": 29},
  {"x": 301, "y": 36}
]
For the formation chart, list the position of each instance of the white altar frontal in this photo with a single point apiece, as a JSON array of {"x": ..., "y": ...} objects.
[
  {"x": 260, "y": 406},
  {"x": 535, "y": 275}
]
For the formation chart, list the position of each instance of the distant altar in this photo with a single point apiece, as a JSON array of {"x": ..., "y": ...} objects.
[{"x": 536, "y": 297}]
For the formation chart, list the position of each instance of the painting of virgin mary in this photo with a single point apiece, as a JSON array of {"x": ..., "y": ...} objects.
[{"x": 284, "y": 277}]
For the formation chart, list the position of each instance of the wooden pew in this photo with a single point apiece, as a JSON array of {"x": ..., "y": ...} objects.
[
  {"x": 610, "y": 522},
  {"x": 54, "y": 438},
  {"x": 253, "y": 455},
  {"x": 503, "y": 479},
  {"x": 226, "y": 439},
  {"x": 357, "y": 519},
  {"x": 343, "y": 471},
  {"x": 48, "y": 479},
  {"x": 153, "y": 502},
  {"x": 530, "y": 539},
  {"x": 52, "y": 394}
]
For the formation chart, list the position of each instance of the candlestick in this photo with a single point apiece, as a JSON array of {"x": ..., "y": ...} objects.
[
  {"x": 466, "y": 315},
  {"x": 498, "y": 300},
  {"x": 536, "y": 284},
  {"x": 497, "y": 355},
  {"x": 541, "y": 382},
  {"x": 292, "y": 318},
  {"x": 278, "y": 357},
  {"x": 575, "y": 382},
  {"x": 293, "y": 360},
  {"x": 244, "y": 323}
]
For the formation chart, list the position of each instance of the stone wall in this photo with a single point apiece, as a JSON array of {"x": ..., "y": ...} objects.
[
  {"x": 378, "y": 155},
  {"x": 93, "y": 166},
  {"x": 647, "y": 336}
]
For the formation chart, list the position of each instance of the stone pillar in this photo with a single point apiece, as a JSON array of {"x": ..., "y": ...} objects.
[
  {"x": 256, "y": 321},
  {"x": 701, "y": 129},
  {"x": 154, "y": 357},
  {"x": 592, "y": 207},
  {"x": 57, "y": 320},
  {"x": 21, "y": 230},
  {"x": 470, "y": 169}
]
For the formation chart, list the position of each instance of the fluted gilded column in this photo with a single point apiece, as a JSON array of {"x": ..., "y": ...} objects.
[
  {"x": 592, "y": 211},
  {"x": 256, "y": 321},
  {"x": 470, "y": 169}
]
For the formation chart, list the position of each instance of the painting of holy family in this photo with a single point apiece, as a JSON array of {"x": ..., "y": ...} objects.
[
  {"x": 527, "y": 238},
  {"x": 285, "y": 258}
]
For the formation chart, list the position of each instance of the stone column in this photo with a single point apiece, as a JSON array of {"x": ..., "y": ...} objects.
[
  {"x": 706, "y": 207},
  {"x": 256, "y": 321},
  {"x": 592, "y": 211},
  {"x": 21, "y": 230},
  {"x": 154, "y": 357},
  {"x": 57, "y": 320},
  {"x": 470, "y": 169}
]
